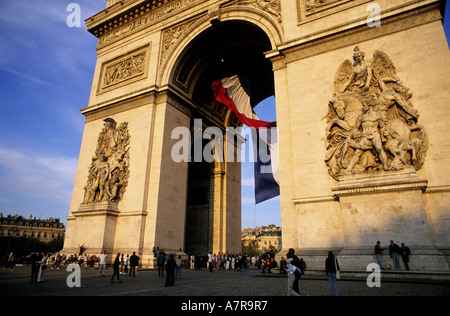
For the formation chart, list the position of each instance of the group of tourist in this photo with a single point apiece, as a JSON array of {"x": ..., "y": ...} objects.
[
  {"x": 120, "y": 265},
  {"x": 293, "y": 266},
  {"x": 394, "y": 252},
  {"x": 219, "y": 261},
  {"x": 172, "y": 267},
  {"x": 38, "y": 266}
]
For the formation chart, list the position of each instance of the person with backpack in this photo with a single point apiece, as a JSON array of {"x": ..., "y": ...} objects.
[
  {"x": 298, "y": 272},
  {"x": 302, "y": 265}
]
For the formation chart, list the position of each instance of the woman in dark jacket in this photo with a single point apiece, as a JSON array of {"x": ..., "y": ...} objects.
[
  {"x": 116, "y": 265},
  {"x": 171, "y": 265},
  {"x": 331, "y": 269}
]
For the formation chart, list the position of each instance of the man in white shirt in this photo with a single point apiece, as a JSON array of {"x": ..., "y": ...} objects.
[
  {"x": 102, "y": 259},
  {"x": 210, "y": 261}
]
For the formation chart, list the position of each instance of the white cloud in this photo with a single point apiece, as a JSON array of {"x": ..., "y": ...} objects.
[{"x": 39, "y": 175}]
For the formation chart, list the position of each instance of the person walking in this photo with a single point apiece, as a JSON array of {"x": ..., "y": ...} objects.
[
  {"x": 170, "y": 271},
  {"x": 102, "y": 259},
  {"x": 57, "y": 261},
  {"x": 405, "y": 252},
  {"x": 122, "y": 259},
  {"x": 134, "y": 261},
  {"x": 290, "y": 270},
  {"x": 378, "y": 251},
  {"x": 116, "y": 267},
  {"x": 178, "y": 269},
  {"x": 332, "y": 269},
  {"x": 11, "y": 261},
  {"x": 42, "y": 268},
  {"x": 394, "y": 250}
]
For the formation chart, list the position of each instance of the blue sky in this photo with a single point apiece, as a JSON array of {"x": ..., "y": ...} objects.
[{"x": 46, "y": 71}]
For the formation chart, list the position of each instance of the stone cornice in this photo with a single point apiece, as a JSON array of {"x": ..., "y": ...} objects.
[
  {"x": 380, "y": 182},
  {"x": 357, "y": 31},
  {"x": 119, "y": 20},
  {"x": 319, "y": 199}
]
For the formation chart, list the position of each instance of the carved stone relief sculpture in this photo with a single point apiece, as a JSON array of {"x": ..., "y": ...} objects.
[
  {"x": 312, "y": 5},
  {"x": 130, "y": 67},
  {"x": 270, "y": 6},
  {"x": 109, "y": 171},
  {"x": 372, "y": 123}
]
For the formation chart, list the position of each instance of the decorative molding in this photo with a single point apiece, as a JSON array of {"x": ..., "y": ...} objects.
[
  {"x": 320, "y": 42},
  {"x": 319, "y": 199},
  {"x": 171, "y": 35},
  {"x": 272, "y": 7},
  {"x": 438, "y": 189},
  {"x": 262, "y": 15},
  {"x": 123, "y": 70},
  {"x": 138, "y": 19},
  {"x": 382, "y": 189},
  {"x": 315, "y": 6},
  {"x": 385, "y": 182},
  {"x": 310, "y": 10},
  {"x": 95, "y": 209},
  {"x": 106, "y": 109}
]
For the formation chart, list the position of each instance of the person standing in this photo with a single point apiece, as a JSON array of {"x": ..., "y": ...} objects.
[
  {"x": 116, "y": 267},
  {"x": 160, "y": 263},
  {"x": 134, "y": 261},
  {"x": 297, "y": 272},
  {"x": 219, "y": 260},
  {"x": 210, "y": 262},
  {"x": 283, "y": 266},
  {"x": 198, "y": 262},
  {"x": 126, "y": 262},
  {"x": 35, "y": 259},
  {"x": 102, "y": 259},
  {"x": 331, "y": 270},
  {"x": 192, "y": 262},
  {"x": 178, "y": 269},
  {"x": 170, "y": 271},
  {"x": 42, "y": 267},
  {"x": 378, "y": 251},
  {"x": 405, "y": 252},
  {"x": 394, "y": 250}
]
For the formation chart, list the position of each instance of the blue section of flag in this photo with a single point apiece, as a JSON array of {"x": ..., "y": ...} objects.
[{"x": 266, "y": 187}]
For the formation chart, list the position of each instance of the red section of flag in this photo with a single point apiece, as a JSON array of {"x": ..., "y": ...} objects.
[{"x": 221, "y": 95}]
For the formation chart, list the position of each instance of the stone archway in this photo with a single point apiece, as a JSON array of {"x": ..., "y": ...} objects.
[{"x": 213, "y": 190}]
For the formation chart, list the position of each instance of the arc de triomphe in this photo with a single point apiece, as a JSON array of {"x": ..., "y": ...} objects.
[{"x": 361, "y": 91}]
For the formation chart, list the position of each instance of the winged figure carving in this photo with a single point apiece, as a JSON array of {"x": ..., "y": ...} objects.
[{"x": 372, "y": 124}]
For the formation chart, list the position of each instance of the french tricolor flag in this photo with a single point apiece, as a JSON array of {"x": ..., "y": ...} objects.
[{"x": 229, "y": 91}]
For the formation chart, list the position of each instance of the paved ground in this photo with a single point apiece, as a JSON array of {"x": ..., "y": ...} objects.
[{"x": 250, "y": 283}]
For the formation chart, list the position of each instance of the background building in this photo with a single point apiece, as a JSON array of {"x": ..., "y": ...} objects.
[
  {"x": 43, "y": 229},
  {"x": 264, "y": 235}
]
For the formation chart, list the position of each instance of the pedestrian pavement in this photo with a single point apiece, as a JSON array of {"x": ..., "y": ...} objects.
[{"x": 220, "y": 283}]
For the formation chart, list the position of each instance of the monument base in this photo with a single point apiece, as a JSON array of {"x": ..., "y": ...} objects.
[
  {"x": 385, "y": 206},
  {"x": 82, "y": 232}
]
